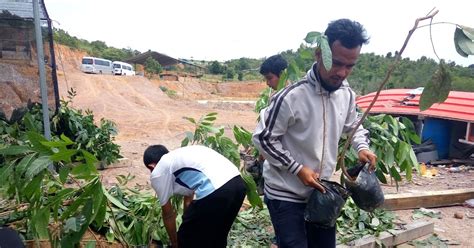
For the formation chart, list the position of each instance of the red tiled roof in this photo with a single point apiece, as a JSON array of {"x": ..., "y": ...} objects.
[{"x": 458, "y": 106}]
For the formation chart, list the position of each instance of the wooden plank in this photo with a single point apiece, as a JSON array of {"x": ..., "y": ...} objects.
[
  {"x": 394, "y": 237},
  {"x": 427, "y": 199}
]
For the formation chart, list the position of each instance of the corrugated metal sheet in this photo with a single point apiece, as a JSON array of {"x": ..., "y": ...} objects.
[
  {"x": 163, "y": 59},
  {"x": 23, "y": 8},
  {"x": 459, "y": 105}
]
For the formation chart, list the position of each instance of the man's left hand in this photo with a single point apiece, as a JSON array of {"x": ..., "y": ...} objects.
[{"x": 367, "y": 156}]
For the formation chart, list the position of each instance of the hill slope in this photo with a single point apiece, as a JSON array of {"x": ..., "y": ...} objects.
[{"x": 144, "y": 114}]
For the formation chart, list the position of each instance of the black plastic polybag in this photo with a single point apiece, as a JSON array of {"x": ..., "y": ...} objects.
[
  {"x": 365, "y": 190},
  {"x": 323, "y": 209}
]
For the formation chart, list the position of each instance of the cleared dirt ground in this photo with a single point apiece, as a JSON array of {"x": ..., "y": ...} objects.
[{"x": 145, "y": 115}]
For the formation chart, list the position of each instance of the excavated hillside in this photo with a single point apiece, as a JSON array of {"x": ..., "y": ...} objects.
[{"x": 145, "y": 115}]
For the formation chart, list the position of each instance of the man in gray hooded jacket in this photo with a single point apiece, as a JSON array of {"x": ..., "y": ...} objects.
[{"x": 298, "y": 135}]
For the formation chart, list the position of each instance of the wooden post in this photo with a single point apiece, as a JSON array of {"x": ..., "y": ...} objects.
[
  {"x": 427, "y": 199},
  {"x": 392, "y": 238}
]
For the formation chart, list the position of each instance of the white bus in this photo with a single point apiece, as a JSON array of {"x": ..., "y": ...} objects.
[
  {"x": 122, "y": 68},
  {"x": 96, "y": 65}
]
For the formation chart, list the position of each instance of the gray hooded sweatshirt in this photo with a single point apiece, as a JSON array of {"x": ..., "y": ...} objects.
[{"x": 301, "y": 121}]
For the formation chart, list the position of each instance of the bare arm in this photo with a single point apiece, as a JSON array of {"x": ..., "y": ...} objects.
[
  {"x": 187, "y": 201},
  {"x": 169, "y": 219}
]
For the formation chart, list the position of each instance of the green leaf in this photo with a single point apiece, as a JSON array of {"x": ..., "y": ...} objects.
[
  {"x": 242, "y": 136},
  {"x": 6, "y": 172},
  {"x": 99, "y": 202},
  {"x": 30, "y": 123},
  {"x": 393, "y": 124},
  {"x": 113, "y": 200},
  {"x": 306, "y": 54},
  {"x": 413, "y": 161},
  {"x": 33, "y": 187},
  {"x": 380, "y": 176},
  {"x": 375, "y": 222},
  {"x": 190, "y": 119},
  {"x": 15, "y": 150},
  {"x": 326, "y": 52},
  {"x": 184, "y": 142},
  {"x": 293, "y": 71},
  {"x": 388, "y": 156},
  {"x": 37, "y": 166},
  {"x": 252, "y": 194},
  {"x": 101, "y": 213},
  {"x": 60, "y": 196},
  {"x": 40, "y": 221},
  {"x": 468, "y": 31},
  {"x": 90, "y": 244},
  {"x": 73, "y": 238},
  {"x": 361, "y": 226},
  {"x": 90, "y": 159},
  {"x": 72, "y": 225},
  {"x": 210, "y": 118},
  {"x": 459, "y": 50},
  {"x": 63, "y": 155},
  {"x": 24, "y": 164},
  {"x": 312, "y": 37},
  {"x": 408, "y": 169},
  {"x": 394, "y": 173},
  {"x": 36, "y": 139},
  {"x": 63, "y": 173},
  {"x": 415, "y": 138},
  {"x": 58, "y": 143},
  {"x": 402, "y": 151},
  {"x": 83, "y": 171},
  {"x": 463, "y": 44},
  {"x": 437, "y": 89},
  {"x": 282, "y": 80},
  {"x": 110, "y": 235},
  {"x": 66, "y": 139}
]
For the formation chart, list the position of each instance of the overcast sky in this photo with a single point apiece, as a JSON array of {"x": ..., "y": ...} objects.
[{"x": 223, "y": 30}]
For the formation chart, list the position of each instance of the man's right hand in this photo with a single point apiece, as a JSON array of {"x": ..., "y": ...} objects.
[{"x": 310, "y": 178}]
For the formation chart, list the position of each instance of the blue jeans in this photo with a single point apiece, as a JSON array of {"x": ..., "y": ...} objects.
[{"x": 292, "y": 231}]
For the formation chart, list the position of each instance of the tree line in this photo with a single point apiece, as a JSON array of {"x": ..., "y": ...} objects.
[{"x": 366, "y": 77}]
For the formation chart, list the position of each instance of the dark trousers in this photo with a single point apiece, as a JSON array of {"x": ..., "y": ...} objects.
[
  {"x": 292, "y": 231},
  {"x": 207, "y": 222}
]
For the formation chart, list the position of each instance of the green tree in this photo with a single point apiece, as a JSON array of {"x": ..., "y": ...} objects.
[
  {"x": 216, "y": 68},
  {"x": 240, "y": 76},
  {"x": 229, "y": 73},
  {"x": 152, "y": 66}
]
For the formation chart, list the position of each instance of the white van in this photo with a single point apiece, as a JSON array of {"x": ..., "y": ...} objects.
[
  {"x": 96, "y": 65},
  {"x": 122, "y": 68}
]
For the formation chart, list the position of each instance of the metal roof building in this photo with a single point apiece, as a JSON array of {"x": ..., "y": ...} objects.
[
  {"x": 459, "y": 105},
  {"x": 22, "y": 9},
  {"x": 450, "y": 124},
  {"x": 19, "y": 80},
  {"x": 163, "y": 59}
]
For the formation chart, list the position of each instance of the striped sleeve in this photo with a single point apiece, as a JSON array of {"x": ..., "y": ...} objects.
[{"x": 273, "y": 124}]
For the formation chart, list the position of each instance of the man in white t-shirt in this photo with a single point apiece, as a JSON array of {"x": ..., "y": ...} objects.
[{"x": 212, "y": 187}]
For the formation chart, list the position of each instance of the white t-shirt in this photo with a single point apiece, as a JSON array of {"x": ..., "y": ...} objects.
[{"x": 189, "y": 169}]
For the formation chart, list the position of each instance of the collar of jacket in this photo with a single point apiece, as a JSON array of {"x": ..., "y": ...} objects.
[{"x": 311, "y": 77}]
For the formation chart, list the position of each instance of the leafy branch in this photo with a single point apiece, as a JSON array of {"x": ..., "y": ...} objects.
[
  {"x": 437, "y": 91},
  {"x": 207, "y": 134}
]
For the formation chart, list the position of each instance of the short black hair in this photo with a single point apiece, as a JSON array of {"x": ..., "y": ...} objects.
[
  {"x": 153, "y": 154},
  {"x": 350, "y": 33},
  {"x": 274, "y": 64}
]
